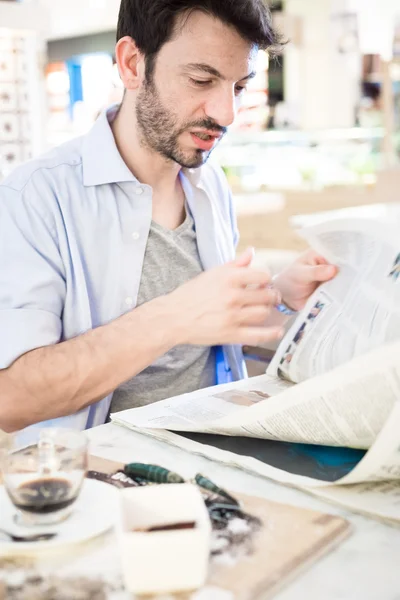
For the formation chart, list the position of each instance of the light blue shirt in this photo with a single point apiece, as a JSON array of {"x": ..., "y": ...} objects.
[{"x": 73, "y": 231}]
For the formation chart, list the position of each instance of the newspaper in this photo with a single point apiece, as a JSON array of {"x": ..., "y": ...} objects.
[
  {"x": 355, "y": 405},
  {"x": 357, "y": 311},
  {"x": 346, "y": 407},
  {"x": 379, "y": 499},
  {"x": 334, "y": 383}
]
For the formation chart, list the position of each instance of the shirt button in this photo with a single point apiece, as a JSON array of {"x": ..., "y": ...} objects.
[
  {"x": 135, "y": 235},
  {"x": 129, "y": 301},
  {"x": 139, "y": 191}
]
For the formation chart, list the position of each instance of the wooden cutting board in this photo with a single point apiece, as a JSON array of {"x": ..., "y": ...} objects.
[{"x": 291, "y": 540}]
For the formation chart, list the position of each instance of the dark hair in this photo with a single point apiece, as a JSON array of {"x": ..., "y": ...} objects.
[{"x": 151, "y": 23}]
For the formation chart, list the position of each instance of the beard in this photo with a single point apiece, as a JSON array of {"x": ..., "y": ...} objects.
[{"x": 160, "y": 129}]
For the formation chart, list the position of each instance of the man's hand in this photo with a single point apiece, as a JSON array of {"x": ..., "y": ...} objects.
[
  {"x": 226, "y": 305},
  {"x": 300, "y": 280}
]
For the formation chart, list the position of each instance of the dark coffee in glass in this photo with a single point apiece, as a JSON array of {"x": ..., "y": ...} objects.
[
  {"x": 44, "y": 496},
  {"x": 43, "y": 474}
]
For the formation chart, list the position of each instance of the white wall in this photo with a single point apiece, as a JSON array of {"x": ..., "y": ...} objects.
[
  {"x": 57, "y": 19},
  {"x": 28, "y": 15},
  {"x": 72, "y": 18},
  {"x": 377, "y": 25},
  {"x": 320, "y": 82}
]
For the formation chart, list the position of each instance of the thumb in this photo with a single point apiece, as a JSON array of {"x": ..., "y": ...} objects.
[
  {"x": 323, "y": 273},
  {"x": 246, "y": 258}
]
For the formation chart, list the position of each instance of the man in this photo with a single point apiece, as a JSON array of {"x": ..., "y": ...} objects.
[{"x": 103, "y": 242}]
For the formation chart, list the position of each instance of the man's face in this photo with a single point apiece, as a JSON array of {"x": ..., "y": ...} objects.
[{"x": 186, "y": 105}]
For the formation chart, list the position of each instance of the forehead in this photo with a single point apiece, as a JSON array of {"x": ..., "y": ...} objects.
[{"x": 200, "y": 38}]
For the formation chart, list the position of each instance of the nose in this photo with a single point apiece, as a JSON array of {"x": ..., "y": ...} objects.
[{"x": 222, "y": 107}]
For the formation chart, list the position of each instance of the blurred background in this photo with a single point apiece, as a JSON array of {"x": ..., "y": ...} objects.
[{"x": 319, "y": 128}]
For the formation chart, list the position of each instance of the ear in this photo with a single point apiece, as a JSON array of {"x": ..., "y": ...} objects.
[{"x": 130, "y": 63}]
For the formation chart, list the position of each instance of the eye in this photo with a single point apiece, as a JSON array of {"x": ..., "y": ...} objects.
[
  {"x": 201, "y": 82},
  {"x": 239, "y": 89}
]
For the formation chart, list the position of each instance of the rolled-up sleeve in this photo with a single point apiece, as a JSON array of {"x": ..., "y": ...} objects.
[{"x": 32, "y": 278}]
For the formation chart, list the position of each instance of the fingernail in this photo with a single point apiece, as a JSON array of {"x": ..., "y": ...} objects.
[{"x": 280, "y": 333}]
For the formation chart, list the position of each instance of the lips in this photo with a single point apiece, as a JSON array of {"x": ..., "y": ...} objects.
[{"x": 205, "y": 140}]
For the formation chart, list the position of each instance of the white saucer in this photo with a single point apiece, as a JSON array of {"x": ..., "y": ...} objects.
[{"x": 94, "y": 513}]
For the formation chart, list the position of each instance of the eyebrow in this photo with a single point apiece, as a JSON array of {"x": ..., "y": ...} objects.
[{"x": 212, "y": 71}]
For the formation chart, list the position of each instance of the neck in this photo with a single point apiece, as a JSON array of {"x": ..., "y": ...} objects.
[{"x": 147, "y": 165}]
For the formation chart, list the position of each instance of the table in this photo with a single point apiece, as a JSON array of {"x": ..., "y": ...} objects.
[{"x": 366, "y": 566}]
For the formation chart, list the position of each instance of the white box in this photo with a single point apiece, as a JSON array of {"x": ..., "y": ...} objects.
[{"x": 163, "y": 561}]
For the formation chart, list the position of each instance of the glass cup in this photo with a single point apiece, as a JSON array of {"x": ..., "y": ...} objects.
[{"x": 43, "y": 473}]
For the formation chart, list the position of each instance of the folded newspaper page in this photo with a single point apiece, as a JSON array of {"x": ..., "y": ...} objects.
[
  {"x": 346, "y": 407},
  {"x": 357, "y": 311},
  {"x": 326, "y": 417},
  {"x": 375, "y": 497},
  {"x": 364, "y": 481}
]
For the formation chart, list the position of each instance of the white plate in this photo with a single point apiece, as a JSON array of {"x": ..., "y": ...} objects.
[{"x": 94, "y": 513}]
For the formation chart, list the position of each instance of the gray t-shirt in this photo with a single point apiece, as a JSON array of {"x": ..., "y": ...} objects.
[{"x": 171, "y": 259}]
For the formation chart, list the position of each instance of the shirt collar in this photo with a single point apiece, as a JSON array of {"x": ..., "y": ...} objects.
[
  {"x": 193, "y": 175},
  {"x": 102, "y": 162}
]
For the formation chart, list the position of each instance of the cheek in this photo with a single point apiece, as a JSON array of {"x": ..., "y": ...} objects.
[
  {"x": 185, "y": 111},
  {"x": 185, "y": 102}
]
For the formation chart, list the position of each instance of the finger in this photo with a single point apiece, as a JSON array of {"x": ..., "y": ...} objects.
[
  {"x": 253, "y": 315},
  {"x": 320, "y": 260},
  {"x": 320, "y": 273},
  {"x": 251, "y": 277},
  {"x": 256, "y": 336},
  {"x": 262, "y": 296},
  {"x": 246, "y": 258},
  {"x": 317, "y": 259},
  {"x": 312, "y": 258}
]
